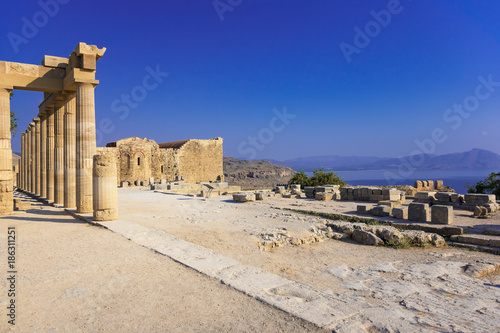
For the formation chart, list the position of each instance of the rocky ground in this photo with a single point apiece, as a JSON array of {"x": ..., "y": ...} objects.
[{"x": 428, "y": 287}]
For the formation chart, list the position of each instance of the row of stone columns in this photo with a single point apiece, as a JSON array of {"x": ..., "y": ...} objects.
[{"x": 57, "y": 151}]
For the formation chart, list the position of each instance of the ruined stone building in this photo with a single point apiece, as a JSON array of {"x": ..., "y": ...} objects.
[{"x": 189, "y": 161}]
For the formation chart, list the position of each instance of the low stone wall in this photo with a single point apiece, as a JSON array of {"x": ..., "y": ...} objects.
[{"x": 371, "y": 194}]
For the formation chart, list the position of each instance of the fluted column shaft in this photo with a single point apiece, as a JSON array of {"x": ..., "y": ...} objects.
[
  {"x": 32, "y": 158},
  {"x": 21, "y": 169},
  {"x": 59, "y": 154},
  {"x": 6, "y": 187},
  {"x": 50, "y": 154},
  {"x": 43, "y": 156},
  {"x": 36, "y": 164},
  {"x": 26, "y": 160},
  {"x": 70, "y": 152},
  {"x": 85, "y": 146}
]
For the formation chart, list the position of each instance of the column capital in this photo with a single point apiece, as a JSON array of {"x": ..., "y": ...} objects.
[{"x": 36, "y": 120}]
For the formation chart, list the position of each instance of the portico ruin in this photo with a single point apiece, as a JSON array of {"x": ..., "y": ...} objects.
[{"x": 59, "y": 145}]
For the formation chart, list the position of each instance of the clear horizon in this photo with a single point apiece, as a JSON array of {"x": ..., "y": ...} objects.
[{"x": 278, "y": 79}]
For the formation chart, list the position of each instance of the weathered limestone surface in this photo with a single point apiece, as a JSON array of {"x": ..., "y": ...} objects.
[
  {"x": 244, "y": 197},
  {"x": 363, "y": 209},
  {"x": 400, "y": 213},
  {"x": 36, "y": 164},
  {"x": 442, "y": 214},
  {"x": 86, "y": 145},
  {"x": 418, "y": 212},
  {"x": 6, "y": 198},
  {"x": 70, "y": 152},
  {"x": 33, "y": 157},
  {"x": 50, "y": 154},
  {"x": 43, "y": 156},
  {"x": 196, "y": 160},
  {"x": 381, "y": 211},
  {"x": 105, "y": 195},
  {"x": 59, "y": 153}
]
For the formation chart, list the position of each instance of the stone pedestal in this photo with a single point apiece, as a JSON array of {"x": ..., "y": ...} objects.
[
  {"x": 43, "y": 156},
  {"x": 105, "y": 196},
  {"x": 6, "y": 198},
  {"x": 36, "y": 155},
  {"x": 70, "y": 153},
  {"x": 85, "y": 145},
  {"x": 59, "y": 154},
  {"x": 50, "y": 154}
]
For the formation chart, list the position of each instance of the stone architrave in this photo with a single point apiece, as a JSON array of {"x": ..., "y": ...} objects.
[
  {"x": 85, "y": 145},
  {"x": 50, "y": 154},
  {"x": 70, "y": 152},
  {"x": 105, "y": 194},
  {"x": 59, "y": 153},
  {"x": 6, "y": 188}
]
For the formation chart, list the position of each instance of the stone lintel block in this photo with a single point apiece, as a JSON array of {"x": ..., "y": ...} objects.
[
  {"x": 400, "y": 213},
  {"x": 442, "y": 214},
  {"x": 480, "y": 198},
  {"x": 419, "y": 212},
  {"x": 55, "y": 62},
  {"x": 443, "y": 196}
]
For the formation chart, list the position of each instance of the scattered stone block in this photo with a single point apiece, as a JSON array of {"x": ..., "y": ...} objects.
[
  {"x": 480, "y": 211},
  {"x": 124, "y": 184},
  {"x": 151, "y": 181},
  {"x": 381, "y": 211},
  {"x": 145, "y": 183},
  {"x": 280, "y": 189},
  {"x": 392, "y": 204},
  {"x": 457, "y": 198},
  {"x": 400, "y": 213},
  {"x": 443, "y": 196},
  {"x": 289, "y": 196},
  {"x": 442, "y": 214},
  {"x": 323, "y": 196},
  {"x": 137, "y": 182},
  {"x": 363, "y": 209},
  {"x": 418, "y": 212},
  {"x": 425, "y": 197},
  {"x": 480, "y": 198},
  {"x": 244, "y": 197},
  {"x": 259, "y": 195},
  {"x": 163, "y": 181}
]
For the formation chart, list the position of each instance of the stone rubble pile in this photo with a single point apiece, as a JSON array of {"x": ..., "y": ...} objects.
[{"x": 374, "y": 235}]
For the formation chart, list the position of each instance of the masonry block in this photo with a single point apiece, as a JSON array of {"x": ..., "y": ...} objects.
[
  {"x": 442, "y": 214},
  {"x": 419, "y": 212},
  {"x": 400, "y": 213}
]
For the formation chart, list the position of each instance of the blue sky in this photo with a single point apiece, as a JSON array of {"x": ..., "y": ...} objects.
[{"x": 233, "y": 68}]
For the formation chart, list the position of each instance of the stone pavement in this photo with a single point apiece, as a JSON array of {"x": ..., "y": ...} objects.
[{"x": 388, "y": 297}]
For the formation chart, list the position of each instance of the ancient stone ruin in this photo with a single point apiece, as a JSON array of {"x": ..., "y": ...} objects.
[{"x": 59, "y": 145}]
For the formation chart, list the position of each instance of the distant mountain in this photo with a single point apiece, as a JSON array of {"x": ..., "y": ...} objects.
[{"x": 473, "y": 159}]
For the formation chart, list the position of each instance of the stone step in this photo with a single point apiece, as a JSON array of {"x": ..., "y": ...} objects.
[
  {"x": 483, "y": 240},
  {"x": 495, "y": 231},
  {"x": 490, "y": 249}
]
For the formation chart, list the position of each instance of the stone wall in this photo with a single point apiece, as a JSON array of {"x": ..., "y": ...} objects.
[
  {"x": 137, "y": 159},
  {"x": 195, "y": 161}
]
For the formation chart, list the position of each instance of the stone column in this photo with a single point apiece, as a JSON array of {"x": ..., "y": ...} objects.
[
  {"x": 70, "y": 153},
  {"x": 50, "y": 154},
  {"x": 32, "y": 158},
  {"x": 23, "y": 154},
  {"x": 59, "y": 153},
  {"x": 36, "y": 164},
  {"x": 105, "y": 190},
  {"x": 43, "y": 156},
  {"x": 6, "y": 198},
  {"x": 85, "y": 145},
  {"x": 25, "y": 159}
]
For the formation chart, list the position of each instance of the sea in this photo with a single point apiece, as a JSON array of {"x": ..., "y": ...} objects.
[{"x": 456, "y": 179}]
